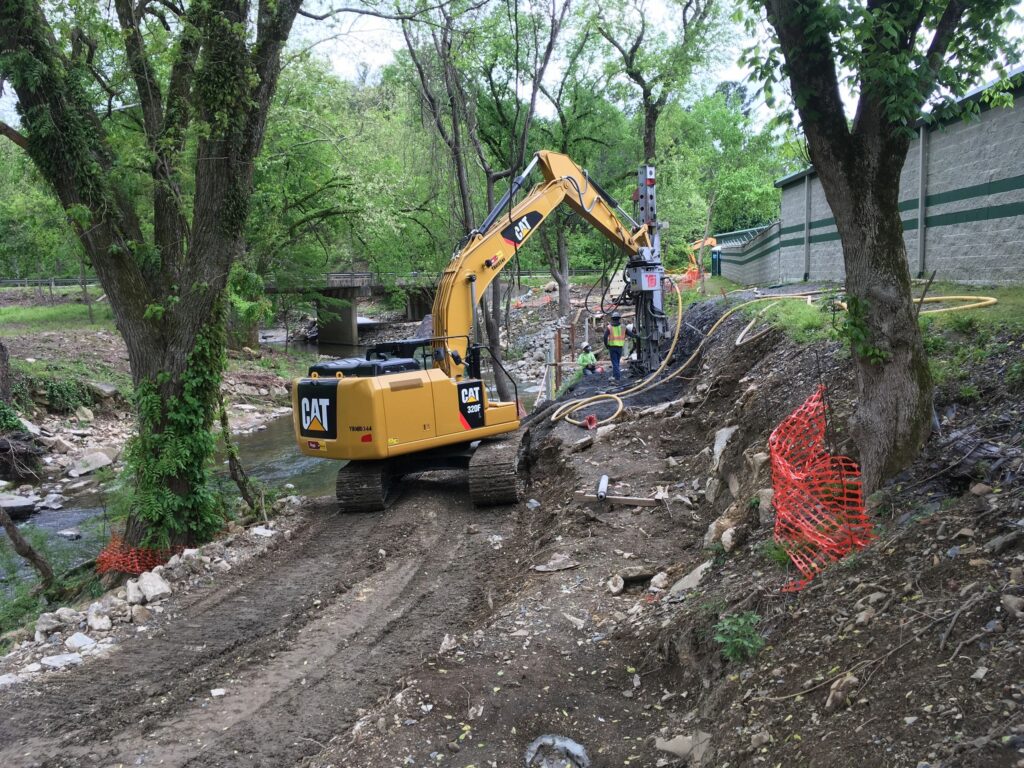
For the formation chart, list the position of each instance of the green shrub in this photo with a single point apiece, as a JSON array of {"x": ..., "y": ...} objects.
[
  {"x": 962, "y": 322},
  {"x": 738, "y": 636},
  {"x": 66, "y": 395},
  {"x": 9, "y": 421},
  {"x": 969, "y": 393}
]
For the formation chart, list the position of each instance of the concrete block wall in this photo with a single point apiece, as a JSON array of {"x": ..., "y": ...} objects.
[
  {"x": 756, "y": 262},
  {"x": 974, "y": 207}
]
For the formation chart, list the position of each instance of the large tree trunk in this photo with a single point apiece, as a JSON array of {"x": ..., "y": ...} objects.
[
  {"x": 651, "y": 112},
  {"x": 892, "y": 420},
  {"x": 5, "y": 375}
]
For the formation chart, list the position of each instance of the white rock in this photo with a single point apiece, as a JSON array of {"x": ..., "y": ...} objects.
[
  {"x": 53, "y": 501},
  {"x": 722, "y": 438},
  {"x": 71, "y": 534},
  {"x": 48, "y": 622},
  {"x": 84, "y": 414},
  {"x": 78, "y": 642},
  {"x": 153, "y": 586},
  {"x": 659, "y": 580},
  {"x": 692, "y": 579},
  {"x": 8, "y": 680},
  {"x": 31, "y": 428},
  {"x": 218, "y": 692},
  {"x": 35, "y": 666},
  {"x": 90, "y": 463},
  {"x": 61, "y": 660},
  {"x": 69, "y": 616},
  {"x": 616, "y": 584},
  {"x": 97, "y": 619},
  {"x": 16, "y": 506},
  {"x": 263, "y": 531},
  {"x": 133, "y": 593}
]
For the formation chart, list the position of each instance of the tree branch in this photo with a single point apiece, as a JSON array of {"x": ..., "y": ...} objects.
[{"x": 13, "y": 135}]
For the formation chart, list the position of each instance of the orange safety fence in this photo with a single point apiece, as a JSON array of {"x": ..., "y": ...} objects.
[
  {"x": 134, "y": 560},
  {"x": 818, "y": 500}
]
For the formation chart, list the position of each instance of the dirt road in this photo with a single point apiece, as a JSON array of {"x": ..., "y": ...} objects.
[{"x": 300, "y": 640}]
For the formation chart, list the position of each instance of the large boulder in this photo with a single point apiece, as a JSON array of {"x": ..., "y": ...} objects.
[
  {"x": 90, "y": 463},
  {"x": 153, "y": 586}
]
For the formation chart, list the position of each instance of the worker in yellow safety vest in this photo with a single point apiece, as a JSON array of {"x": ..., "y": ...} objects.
[{"x": 615, "y": 335}]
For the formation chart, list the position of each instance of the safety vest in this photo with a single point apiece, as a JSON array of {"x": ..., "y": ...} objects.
[{"x": 616, "y": 335}]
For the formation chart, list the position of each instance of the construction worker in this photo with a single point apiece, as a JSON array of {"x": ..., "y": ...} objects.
[
  {"x": 615, "y": 335},
  {"x": 587, "y": 361}
]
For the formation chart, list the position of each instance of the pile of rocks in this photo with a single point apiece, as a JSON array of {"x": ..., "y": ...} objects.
[{"x": 68, "y": 637}]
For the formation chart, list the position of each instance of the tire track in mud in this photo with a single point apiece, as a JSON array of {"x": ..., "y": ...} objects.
[{"x": 295, "y": 670}]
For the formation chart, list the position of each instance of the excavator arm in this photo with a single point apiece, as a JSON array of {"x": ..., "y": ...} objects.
[{"x": 487, "y": 251}]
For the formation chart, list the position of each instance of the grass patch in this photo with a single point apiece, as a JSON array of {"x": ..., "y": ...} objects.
[
  {"x": 1008, "y": 313},
  {"x": 16, "y": 321},
  {"x": 775, "y": 553},
  {"x": 292, "y": 364}
]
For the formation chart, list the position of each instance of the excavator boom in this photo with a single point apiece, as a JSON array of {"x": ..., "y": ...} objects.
[{"x": 491, "y": 248}]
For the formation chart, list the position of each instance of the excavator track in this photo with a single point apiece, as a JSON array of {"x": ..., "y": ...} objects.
[
  {"x": 494, "y": 477},
  {"x": 365, "y": 486}
]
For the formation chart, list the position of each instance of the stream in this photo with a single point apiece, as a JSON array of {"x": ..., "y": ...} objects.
[{"x": 269, "y": 456}]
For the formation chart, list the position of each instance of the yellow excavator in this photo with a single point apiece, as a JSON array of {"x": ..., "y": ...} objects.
[{"x": 421, "y": 404}]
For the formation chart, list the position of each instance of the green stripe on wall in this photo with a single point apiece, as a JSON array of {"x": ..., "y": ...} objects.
[
  {"x": 986, "y": 213},
  {"x": 765, "y": 247},
  {"x": 1010, "y": 184}
]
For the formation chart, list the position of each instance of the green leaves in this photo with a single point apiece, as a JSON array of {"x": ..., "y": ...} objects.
[{"x": 738, "y": 636}]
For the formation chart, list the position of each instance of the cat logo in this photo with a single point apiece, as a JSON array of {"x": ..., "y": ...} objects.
[
  {"x": 315, "y": 413},
  {"x": 516, "y": 232},
  {"x": 471, "y": 405}
]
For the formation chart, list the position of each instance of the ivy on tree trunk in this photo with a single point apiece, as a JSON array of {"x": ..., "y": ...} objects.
[{"x": 165, "y": 283}]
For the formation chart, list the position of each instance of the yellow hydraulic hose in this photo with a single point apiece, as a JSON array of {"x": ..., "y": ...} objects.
[
  {"x": 572, "y": 406},
  {"x": 565, "y": 410},
  {"x": 974, "y": 302}
]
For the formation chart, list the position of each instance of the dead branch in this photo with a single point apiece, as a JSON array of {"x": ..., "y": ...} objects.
[{"x": 27, "y": 551}]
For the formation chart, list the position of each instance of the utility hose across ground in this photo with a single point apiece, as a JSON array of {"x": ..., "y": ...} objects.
[{"x": 566, "y": 410}]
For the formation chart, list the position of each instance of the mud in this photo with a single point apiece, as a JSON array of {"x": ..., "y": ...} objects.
[{"x": 300, "y": 640}]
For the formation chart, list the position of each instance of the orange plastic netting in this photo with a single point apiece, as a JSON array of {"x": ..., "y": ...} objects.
[
  {"x": 134, "y": 560},
  {"x": 819, "y": 504}
]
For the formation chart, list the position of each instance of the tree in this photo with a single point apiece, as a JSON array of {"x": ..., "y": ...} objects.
[
  {"x": 657, "y": 62},
  {"x": 194, "y": 84},
  {"x": 895, "y": 57},
  {"x": 453, "y": 82}
]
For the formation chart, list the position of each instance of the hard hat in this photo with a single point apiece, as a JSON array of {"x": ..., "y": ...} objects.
[
  {"x": 585, "y": 346},
  {"x": 616, "y": 316}
]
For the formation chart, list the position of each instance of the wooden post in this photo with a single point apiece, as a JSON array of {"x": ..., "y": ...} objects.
[
  {"x": 558, "y": 359},
  {"x": 572, "y": 340}
]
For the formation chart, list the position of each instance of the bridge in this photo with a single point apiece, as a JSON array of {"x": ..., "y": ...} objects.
[{"x": 343, "y": 328}]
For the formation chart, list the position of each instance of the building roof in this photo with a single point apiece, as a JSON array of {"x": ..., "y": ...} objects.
[
  {"x": 1016, "y": 75},
  {"x": 741, "y": 236}
]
